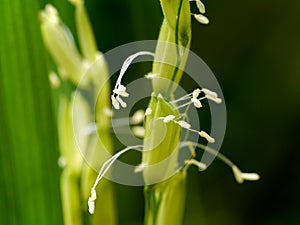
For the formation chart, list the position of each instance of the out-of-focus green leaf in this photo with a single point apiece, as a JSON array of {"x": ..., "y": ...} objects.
[{"x": 29, "y": 181}]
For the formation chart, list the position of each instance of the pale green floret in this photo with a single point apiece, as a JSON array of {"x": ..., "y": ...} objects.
[
  {"x": 160, "y": 142},
  {"x": 60, "y": 44},
  {"x": 84, "y": 31}
]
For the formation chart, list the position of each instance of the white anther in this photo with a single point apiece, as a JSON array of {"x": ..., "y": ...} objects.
[
  {"x": 115, "y": 103},
  {"x": 209, "y": 93},
  {"x": 121, "y": 90},
  {"x": 91, "y": 201},
  {"x": 196, "y": 93},
  {"x": 103, "y": 170},
  {"x": 196, "y": 102},
  {"x": 200, "y": 6},
  {"x": 148, "y": 112},
  {"x": 122, "y": 103},
  {"x": 200, "y": 165},
  {"x": 206, "y": 136},
  {"x": 151, "y": 75},
  {"x": 91, "y": 205},
  {"x": 137, "y": 117},
  {"x": 183, "y": 124},
  {"x": 201, "y": 19},
  {"x": 168, "y": 118},
  {"x": 138, "y": 131},
  {"x": 240, "y": 176},
  {"x": 216, "y": 100}
]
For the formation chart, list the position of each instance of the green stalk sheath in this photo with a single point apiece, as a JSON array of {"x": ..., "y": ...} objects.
[
  {"x": 160, "y": 142},
  {"x": 165, "y": 201},
  {"x": 173, "y": 41},
  {"x": 165, "y": 192}
]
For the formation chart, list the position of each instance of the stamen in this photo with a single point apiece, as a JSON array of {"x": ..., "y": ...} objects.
[
  {"x": 196, "y": 93},
  {"x": 196, "y": 102},
  {"x": 206, "y": 136},
  {"x": 183, "y": 124},
  {"x": 138, "y": 131},
  {"x": 190, "y": 162},
  {"x": 115, "y": 103},
  {"x": 138, "y": 117},
  {"x": 91, "y": 201},
  {"x": 105, "y": 167},
  {"x": 120, "y": 90},
  {"x": 200, "y": 6},
  {"x": 201, "y": 19},
  {"x": 122, "y": 103},
  {"x": 210, "y": 93},
  {"x": 168, "y": 118},
  {"x": 239, "y": 176}
]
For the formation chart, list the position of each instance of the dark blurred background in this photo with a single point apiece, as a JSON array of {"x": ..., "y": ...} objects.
[{"x": 253, "y": 49}]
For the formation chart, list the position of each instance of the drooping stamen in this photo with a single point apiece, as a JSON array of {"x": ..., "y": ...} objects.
[
  {"x": 199, "y": 17},
  {"x": 120, "y": 90},
  {"x": 105, "y": 167},
  {"x": 239, "y": 176}
]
